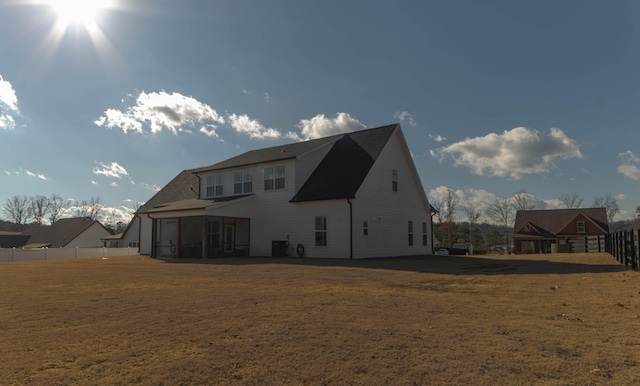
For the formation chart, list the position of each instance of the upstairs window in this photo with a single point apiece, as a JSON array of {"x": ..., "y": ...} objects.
[
  {"x": 274, "y": 178},
  {"x": 321, "y": 231},
  {"x": 580, "y": 227},
  {"x": 242, "y": 182},
  {"x": 394, "y": 180},
  {"x": 365, "y": 228},
  {"x": 215, "y": 185}
]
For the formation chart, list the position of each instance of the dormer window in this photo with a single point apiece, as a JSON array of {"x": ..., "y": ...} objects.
[
  {"x": 527, "y": 228},
  {"x": 215, "y": 185},
  {"x": 580, "y": 227}
]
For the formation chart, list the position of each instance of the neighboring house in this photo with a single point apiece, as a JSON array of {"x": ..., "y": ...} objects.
[
  {"x": 353, "y": 195},
  {"x": 82, "y": 232},
  {"x": 12, "y": 239},
  {"x": 560, "y": 230}
]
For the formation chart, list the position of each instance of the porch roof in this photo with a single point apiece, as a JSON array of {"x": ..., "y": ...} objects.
[{"x": 194, "y": 203}]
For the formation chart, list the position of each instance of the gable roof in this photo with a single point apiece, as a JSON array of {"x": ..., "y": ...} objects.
[
  {"x": 344, "y": 168},
  {"x": 180, "y": 188},
  {"x": 59, "y": 233},
  {"x": 554, "y": 220},
  {"x": 294, "y": 150}
]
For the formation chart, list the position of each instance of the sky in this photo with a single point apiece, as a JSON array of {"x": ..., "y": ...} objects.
[{"x": 494, "y": 97}]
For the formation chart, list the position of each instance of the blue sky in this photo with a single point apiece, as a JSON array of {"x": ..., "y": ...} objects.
[{"x": 493, "y": 96}]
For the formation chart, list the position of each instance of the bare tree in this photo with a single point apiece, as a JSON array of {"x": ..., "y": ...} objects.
[
  {"x": 572, "y": 200},
  {"x": 17, "y": 209},
  {"x": 95, "y": 207},
  {"x": 501, "y": 212},
  {"x": 38, "y": 208},
  {"x": 610, "y": 204},
  {"x": 439, "y": 205},
  {"x": 81, "y": 209},
  {"x": 451, "y": 201},
  {"x": 521, "y": 201},
  {"x": 56, "y": 207},
  {"x": 473, "y": 214},
  {"x": 450, "y": 205}
]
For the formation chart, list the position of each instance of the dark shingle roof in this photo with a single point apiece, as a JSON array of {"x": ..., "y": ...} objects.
[
  {"x": 552, "y": 221},
  {"x": 180, "y": 188},
  {"x": 60, "y": 233},
  {"x": 344, "y": 168},
  {"x": 365, "y": 137}
]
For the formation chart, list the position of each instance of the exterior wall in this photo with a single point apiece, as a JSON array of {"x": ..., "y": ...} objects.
[
  {"x": 146, "y": 235},
  {"x": 90, "y": 238},
  {"x": 257, "y": 177},
  {"x": 132, "y": 237},
  {"x": 276, "y": 221},
  {"x": 387, "y": 212},
  {"x": 590, "y": 227}
]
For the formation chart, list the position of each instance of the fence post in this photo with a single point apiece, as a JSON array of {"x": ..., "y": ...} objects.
[
  {"x": 45, "y": 253},
  {"x": 13, "y": 252}
]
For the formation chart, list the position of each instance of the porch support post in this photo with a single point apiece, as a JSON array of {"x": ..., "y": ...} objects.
[{"x": 203, "y": 248}]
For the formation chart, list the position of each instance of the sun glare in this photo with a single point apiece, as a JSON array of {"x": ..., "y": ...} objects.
[{"x": 80, "y": 12}]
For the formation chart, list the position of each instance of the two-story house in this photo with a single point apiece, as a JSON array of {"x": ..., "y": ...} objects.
[
  {"x": 353, "y": 195},
  {"x": 560, "y": 230}
]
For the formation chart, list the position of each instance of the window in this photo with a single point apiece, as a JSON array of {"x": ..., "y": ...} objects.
[
  {"x": 215, "y": 185},
  {"x": 580, "y": 227},
  {"x": 394, "y": 180},
  {"x": 365, "y": 228},
  {"x": 274, "y": 178},
  {"x": 410, "y": 229},
  {"x": 424, "y": 233},
  {"x": 321, "y": 231},
  {"x": 242, "y": 182}
]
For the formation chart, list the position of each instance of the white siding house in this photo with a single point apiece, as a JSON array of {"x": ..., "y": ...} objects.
[{"x": 354, "y": 195}]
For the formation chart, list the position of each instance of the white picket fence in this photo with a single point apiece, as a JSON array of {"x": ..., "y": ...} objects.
[{"x": 18, "y": 254}]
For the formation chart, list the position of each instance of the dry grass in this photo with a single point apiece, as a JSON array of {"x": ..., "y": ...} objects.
[{"x": 547, "y": 319}]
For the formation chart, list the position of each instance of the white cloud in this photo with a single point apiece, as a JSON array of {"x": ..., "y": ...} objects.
[
  {"x": 437, "y": 137},
  {"x": 8, "y": 105},
  {"x": 111, "y": 170},
  {"x": 621, "y": 197},
  {"x": 512, "y": 153},
  {"x": 32, "y": 174},
  {"x": 321, "y": 126},
  {"x": 405, "y": 116},
  {"x": 114, "y": 184},
  {"x": 246, "y": 125},
  {"x": 157, "y": 111},
  {"x": 93, "y": 182},
  {"x": 267, "y": 98},
  {"x": 627, "y": 168}
]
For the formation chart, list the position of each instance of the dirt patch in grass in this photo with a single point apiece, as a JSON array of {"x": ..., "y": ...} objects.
[{"x": 562, "y": 319}]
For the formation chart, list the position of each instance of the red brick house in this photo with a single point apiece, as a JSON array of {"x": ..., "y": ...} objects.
[{"x": 560, "y": 230}]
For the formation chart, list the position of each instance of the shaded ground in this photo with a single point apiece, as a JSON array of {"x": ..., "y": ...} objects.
[{"x": 543, "y": 319}]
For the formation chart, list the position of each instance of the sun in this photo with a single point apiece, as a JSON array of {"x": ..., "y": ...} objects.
[{"x": 77, "y": 12}]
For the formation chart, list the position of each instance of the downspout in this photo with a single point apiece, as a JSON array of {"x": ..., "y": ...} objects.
[{"x": 350, "y": 228}]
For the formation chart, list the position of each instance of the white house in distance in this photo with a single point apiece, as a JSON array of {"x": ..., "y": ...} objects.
[{"x": 353, "y": 195}]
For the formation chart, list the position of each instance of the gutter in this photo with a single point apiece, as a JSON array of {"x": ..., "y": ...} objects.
[{"x": 350, "y": 228}]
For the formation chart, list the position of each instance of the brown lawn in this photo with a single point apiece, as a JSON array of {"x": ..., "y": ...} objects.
[{"x": 525, "y": 320}]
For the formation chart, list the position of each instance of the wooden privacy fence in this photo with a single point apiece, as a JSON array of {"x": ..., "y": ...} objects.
[
  {"x": 18, "y": 254},
  {"x": 623, "y": 245}
]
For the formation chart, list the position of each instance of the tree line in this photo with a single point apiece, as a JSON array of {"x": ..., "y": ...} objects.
[
  {"x": 502, "y": 213},
  {"x": 22, "y": 210}
]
